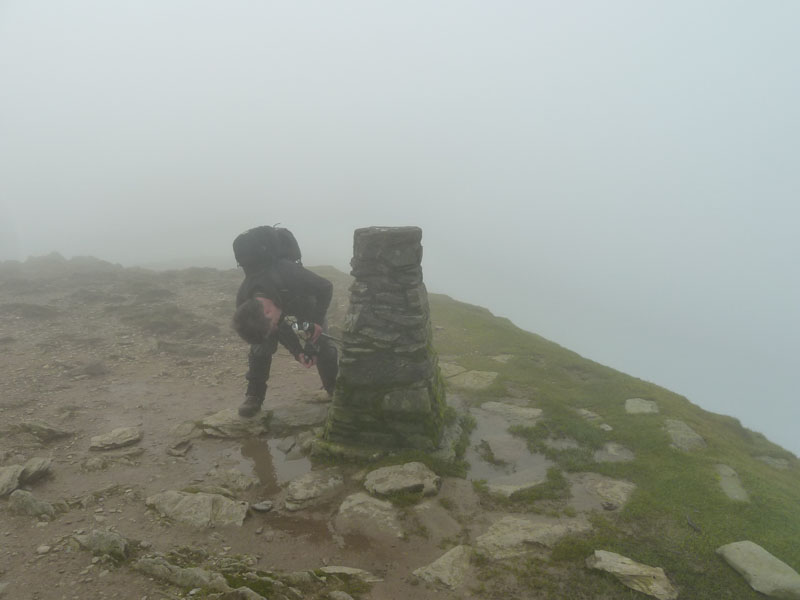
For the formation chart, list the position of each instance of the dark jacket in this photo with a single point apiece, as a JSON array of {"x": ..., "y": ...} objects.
[{"x": 295, "y": 290}]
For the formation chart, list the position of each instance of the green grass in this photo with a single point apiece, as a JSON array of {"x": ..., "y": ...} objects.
[{"x": 673, "y": 487}]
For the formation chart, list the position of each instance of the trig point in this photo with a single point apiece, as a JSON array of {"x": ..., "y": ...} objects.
[{"x": 389, "y": 393}]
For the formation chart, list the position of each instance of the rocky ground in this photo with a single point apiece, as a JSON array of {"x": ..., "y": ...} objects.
[{"x": 125, "y": 472}]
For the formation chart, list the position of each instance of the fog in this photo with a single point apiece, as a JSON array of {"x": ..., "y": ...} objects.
[{"x": 620, "y": 177}]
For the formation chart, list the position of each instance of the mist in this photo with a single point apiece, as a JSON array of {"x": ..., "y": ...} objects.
[{"x": 619, "y": 177}]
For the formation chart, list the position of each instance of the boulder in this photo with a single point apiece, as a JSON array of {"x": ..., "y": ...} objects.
[
  {"x": 9, "y": 479},
  {"x": 35, "y": 469},
  {"x": 104, "y": 542},
  {"x": 613, "y": 452},
  {"x": 362, "y": 514},
  {"x": 642, "y": 578},
  {"x": 359, "y": 574},
  {"x": 449, "y": 569},
  {"x": 410, "y": 477},
  {"x": 42, "y": 431},
  {"x": 21, "y": 502},
  {"x": 764, "y": 572},
  {"x": 199, "y": 509}
]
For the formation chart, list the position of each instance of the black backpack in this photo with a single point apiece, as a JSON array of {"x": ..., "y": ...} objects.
[{"x": 259, "y": 248}]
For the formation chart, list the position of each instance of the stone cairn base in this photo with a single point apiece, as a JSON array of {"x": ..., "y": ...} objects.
[{"x": 389, "y": 393}]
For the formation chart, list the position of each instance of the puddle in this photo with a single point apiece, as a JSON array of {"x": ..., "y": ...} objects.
[
  {"x": 514, "y": 463},
  {"x": 270, "y": 465}
]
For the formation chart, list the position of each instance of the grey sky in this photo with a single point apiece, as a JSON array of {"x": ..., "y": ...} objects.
[{"x": 632, "y": 166}]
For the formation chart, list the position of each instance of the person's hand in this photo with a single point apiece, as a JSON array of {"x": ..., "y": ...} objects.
[
  {"x": 307, "y": 361},
  {"x": 316, "y": 334}
]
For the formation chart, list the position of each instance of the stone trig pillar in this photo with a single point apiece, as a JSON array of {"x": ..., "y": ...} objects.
[{"x": 389, "y": 393}]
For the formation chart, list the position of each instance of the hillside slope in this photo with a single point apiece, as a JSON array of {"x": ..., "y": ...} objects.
[{"x": 89, "y": 347}]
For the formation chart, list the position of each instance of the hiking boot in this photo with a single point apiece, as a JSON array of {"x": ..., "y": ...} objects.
[{"x": 250, "y": 406}]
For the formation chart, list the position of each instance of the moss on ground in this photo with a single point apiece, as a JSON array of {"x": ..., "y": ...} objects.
[{"x": 677, "y": 516}]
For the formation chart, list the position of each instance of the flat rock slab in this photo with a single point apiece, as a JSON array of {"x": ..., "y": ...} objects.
[
  {"x": 450, "y": 369},
  {"x": 613, "y": 452},
  {"x": 299, "y": 415},
  {"x": 311, "y": 489},
  {"x": 473, "y": 380},
  {"x": 506, "y": 485},
  {"x": 592, "y": 491},
  {"x": 639, "y": 406},
  {"x": 228, "y": 424},
  {"x": 192, "y": 577},
  {"x": 9, "y": 479},
  {"x": 506, "y": 449},
  {"x": 730, "y": 483},
  {"x": 515, "y": 415},
  {"x": 362, "y": 514},
  {"x": 449, "y": 569},
  {"x": 561, "y": 443},
  {"x": 764, "y": 572},
  {"x": 409, "y": 477},
  {"x": 359, "y": 574},
  {"x": 116, "y": 438},
  {"x": 683, "y": 436},
  {"x": 515, "y": 536},
  {"x": 233, "y": 479},
  {"x": 776, "y": 463},
  {"x": 642, "y": 578},
  {"x": 200, "y": 509},
  {"x": 437, "y": 521},
  {"x": 42, "y": 431}
]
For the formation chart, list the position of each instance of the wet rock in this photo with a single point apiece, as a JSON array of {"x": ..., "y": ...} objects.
[
  {"x": 9, "y": 479},
  {"x": 642, "y": 578},
  {"x": 21, "y": 502},
  {"x": 359, "y": 574},
  {"x": 764, "y": 572},
  {"x": 515, "y": 536},
  {"x": 311, "y": 489},
  {"x": 473, "y": 380},
  {"x": 639, "y": 406},
  {"x": 42, "y": 431},
  {"x": 199, "y": 509},
  {"x": 613, "y": 452},
  {"x": 35, "y": 469},
  {"x": 515, "y": 415},
  {"x": 776, "y": 463},
  {"x": 228, "y": 424},
  {"x": 116, "y": 438},
  {"x": 507, "y": 485},
  {"x": 410, "y": 477},
  {"x": 159, "y": 567},
  {"x": 104, "y": 542},
  {"x": 449, "y": 569},
  {"x": 683, "y": 436},
  {"x": 233, "y": 479},
  {"x": 360, "y": 513},
  {"x": 730, "y": 483}
]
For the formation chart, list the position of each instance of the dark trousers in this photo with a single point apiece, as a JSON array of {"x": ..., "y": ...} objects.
[{"x": 259, "y": 361}]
